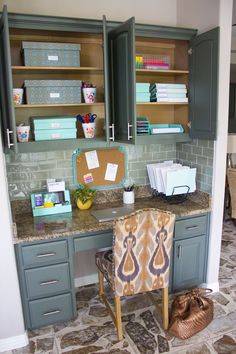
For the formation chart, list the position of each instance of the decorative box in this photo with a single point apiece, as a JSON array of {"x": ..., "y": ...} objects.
[
  {"x": 53, "y": 91},
  {"x": 54, "y": 134},
  {"x": 51, "y": 54},
  {"x": 53, "y": 122}
]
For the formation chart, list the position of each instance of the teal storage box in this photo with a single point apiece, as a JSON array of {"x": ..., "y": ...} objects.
[
  {"x": 54, "y": 134},
  {"x": 142, "y": 97},
  {"x": 60, "y": 200},
  {"x": 54, "y": 122},
  {"x": 53, "y": 91},
  {"x": 165, "y": 128},
  {"x": 142, "y": 87},
  {"x": 51, "y": 54}
]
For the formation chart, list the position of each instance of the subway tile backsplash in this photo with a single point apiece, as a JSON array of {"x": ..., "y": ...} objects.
[{"x": 28, "y": 172}]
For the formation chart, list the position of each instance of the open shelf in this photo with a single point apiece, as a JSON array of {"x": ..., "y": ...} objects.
[
  {"x": 59, "y": 144},
  {"x": 48, "y": 69},
  {"x": 160, "y": 103},
  {"x": 163, "y": 138},
  {"x": 19, "y": 106}
]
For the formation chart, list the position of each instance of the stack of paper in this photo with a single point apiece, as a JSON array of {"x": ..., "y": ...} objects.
[
  {"x": 171, "y": 178},
  {"x": 161, "y": 92},
  {"x": 142, "y": 92}
]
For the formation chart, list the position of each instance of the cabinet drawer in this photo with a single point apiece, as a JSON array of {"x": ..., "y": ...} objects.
[
  {"x": 93, "y": 241},
  {"x": 47, "y": 280},
  {"x": 191, "y": 227},
  {"x": 50, "y": 310},
  {"x": 44, "y": 253}
]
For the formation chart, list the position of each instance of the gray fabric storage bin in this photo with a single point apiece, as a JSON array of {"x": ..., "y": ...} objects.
[
  {"x": 53, "y": 91},
  {"x": 51, "y": 54}
]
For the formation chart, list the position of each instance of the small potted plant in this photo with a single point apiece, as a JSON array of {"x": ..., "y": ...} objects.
[
  {"x": 128, "y": 193},
  {"x": 84, "y": 197}
]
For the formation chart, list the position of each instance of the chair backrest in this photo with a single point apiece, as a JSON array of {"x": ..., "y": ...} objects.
[{"x": 141, "y": 251}]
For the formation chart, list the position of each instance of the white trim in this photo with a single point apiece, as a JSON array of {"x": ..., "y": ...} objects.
[
  {"x": 213, "y": 286},
  {"x": 14, "y": 342}
]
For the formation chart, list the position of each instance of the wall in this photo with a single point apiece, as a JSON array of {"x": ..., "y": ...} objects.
[
  {"x": 162, "y": 12},
  {"x": 205, "y": 15}
]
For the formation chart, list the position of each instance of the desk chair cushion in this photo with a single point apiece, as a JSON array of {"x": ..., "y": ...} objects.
[{"x": 104, "y": 262}]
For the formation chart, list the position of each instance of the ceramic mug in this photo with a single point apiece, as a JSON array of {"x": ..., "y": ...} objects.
[
  {"x": 128, "y": 197},
  {"x": 89, "y": 130},
  {"x": 23, "y": 133},
  {"x": 89, "y": 94},
  {"x": 18, "y": 95}
]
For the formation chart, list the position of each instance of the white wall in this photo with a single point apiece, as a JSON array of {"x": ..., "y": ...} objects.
[
  {"x": 162, "y": 12},
  {"x": 11, "y": 317},
  {"x": 205, "y": 15}
]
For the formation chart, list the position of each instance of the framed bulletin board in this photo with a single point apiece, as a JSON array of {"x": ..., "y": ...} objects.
[{"x": 100, "y": 168}]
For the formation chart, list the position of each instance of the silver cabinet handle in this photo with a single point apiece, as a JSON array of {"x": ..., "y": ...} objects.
[
  {"x": 41, "y": 255},
  {"x": 192, "y": 227},
  {"x": 112, "y": 127},
  {"x": 51, "y": 313},
  {"x": 179, "y": 252},
  {"x": 49, "y": 282},
  {"x": 9, "y": 144},
  {"x": 129, "y": 136}
]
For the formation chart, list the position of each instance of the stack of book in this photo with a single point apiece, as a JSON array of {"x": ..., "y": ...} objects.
[
  {"x": 142, "y": 126},
  {"x": 161, "y": 92},
  {"x": 142, "y": 92}
]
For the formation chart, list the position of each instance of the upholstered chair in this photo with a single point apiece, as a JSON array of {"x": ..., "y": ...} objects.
[{"x": 138, "y": 261}]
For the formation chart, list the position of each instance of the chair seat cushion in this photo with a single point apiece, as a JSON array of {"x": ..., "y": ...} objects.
[{"x": 103, "y": 261}]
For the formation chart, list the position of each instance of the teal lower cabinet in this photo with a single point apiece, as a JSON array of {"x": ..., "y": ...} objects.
[
  {"x": 45, "y": 270},
  {"x": 189, "y": 252}
]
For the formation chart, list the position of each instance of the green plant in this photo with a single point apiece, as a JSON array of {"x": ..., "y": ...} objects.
[{"x": 84, "y": 194}]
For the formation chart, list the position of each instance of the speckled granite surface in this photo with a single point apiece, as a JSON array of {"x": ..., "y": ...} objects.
[{"x": 79, "y": 222}]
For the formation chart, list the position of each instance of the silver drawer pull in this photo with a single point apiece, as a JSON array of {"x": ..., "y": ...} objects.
[
  {"x": 179, "y": 251},
  {"x": 49, "y": 282},
  {"x": 192, "y": 227},
  {"x": 51, "y": 313},
  {"x": 129, "y": 136},
  {"x": 112, "y": 127},
  {"x": 41, "y": 255}
]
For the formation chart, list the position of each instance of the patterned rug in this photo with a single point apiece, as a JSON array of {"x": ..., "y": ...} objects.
[{"x": 93, "y": 332}]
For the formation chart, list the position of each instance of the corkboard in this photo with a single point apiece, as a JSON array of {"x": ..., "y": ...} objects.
[{"x": 116, "y": 155}]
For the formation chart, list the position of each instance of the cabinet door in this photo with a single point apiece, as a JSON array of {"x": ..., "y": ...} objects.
[
  {"x": 189, "y": 262},
  {"x": 109, "y": 136},
  {"x": 204, "y": 84},
  {"x": 6, "y": 97},
  {"x": 122, "y": 81},
  {"x": 232, "y": 110}
]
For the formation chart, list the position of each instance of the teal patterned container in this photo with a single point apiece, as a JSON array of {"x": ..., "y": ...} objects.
[
  {"x": 51, "y": 54},
  {"x": 53, "y": 91},
  {"x": 54, "y": 122}
]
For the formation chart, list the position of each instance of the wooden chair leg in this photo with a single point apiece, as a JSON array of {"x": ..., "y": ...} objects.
[
  {"x": 100, "y": 285},
  {"x": 118, "y": 317},
  {"x": 165, "y": 314}
]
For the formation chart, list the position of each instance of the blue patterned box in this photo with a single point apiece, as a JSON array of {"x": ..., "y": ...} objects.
[
  {"x": 51, "y": 54},
  {"x": 53, "y": 91}
]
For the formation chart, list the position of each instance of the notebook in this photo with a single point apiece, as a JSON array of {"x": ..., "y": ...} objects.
[{"x": 109, "y": 214}]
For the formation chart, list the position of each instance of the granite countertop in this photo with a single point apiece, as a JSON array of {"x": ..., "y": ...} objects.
[{"x": 29, "y": 228}]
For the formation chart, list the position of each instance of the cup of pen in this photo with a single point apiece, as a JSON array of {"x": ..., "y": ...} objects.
[{"x": 88, "y": 124}]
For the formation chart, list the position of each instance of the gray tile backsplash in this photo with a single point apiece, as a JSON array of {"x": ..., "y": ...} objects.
[
  {"x": 199, "y": 154},
  {"x": 28, "y": 172}
]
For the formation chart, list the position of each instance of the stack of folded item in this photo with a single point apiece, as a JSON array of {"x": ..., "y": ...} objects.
[
  {"x": 142, "y": 92},
  {"x": 162, "y": 92},
  {"x": 142, "y": 126}
]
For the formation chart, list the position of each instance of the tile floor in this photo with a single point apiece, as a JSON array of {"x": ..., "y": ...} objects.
[{"x": 93, "y": 332}]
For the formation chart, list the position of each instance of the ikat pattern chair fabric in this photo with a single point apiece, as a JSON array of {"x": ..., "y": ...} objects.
[{"x": 141, "y": 252}]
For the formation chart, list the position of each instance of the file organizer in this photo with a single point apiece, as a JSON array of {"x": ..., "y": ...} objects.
[
  {"x": 171, "y": 182},
  {"x": 41, "y": 210}
]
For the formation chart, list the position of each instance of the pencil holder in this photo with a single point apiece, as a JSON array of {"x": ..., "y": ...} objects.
[
  {"x": 89, "y": 94},
  {"x": 128, "y": 197},
  {"x": 89, "y": 130}
]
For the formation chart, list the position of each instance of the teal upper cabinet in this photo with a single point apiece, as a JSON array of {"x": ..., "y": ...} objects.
[
  {"x": 121, "y": 49},
  {"x": 6, "y": 97},
  {"x": 204, "y": 84}
]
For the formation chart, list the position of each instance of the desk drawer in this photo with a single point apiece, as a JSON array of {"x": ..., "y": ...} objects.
[
  {"x": 47, "y": 280},
  {"x": 94, "y": 241},
  {"x": 191, "y": 227},
  {"x": 42, "y": 253},
  {"x": 50, "y": 310}
]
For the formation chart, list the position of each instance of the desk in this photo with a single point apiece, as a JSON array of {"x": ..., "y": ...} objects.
[{"x": 45, "y": 259}]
